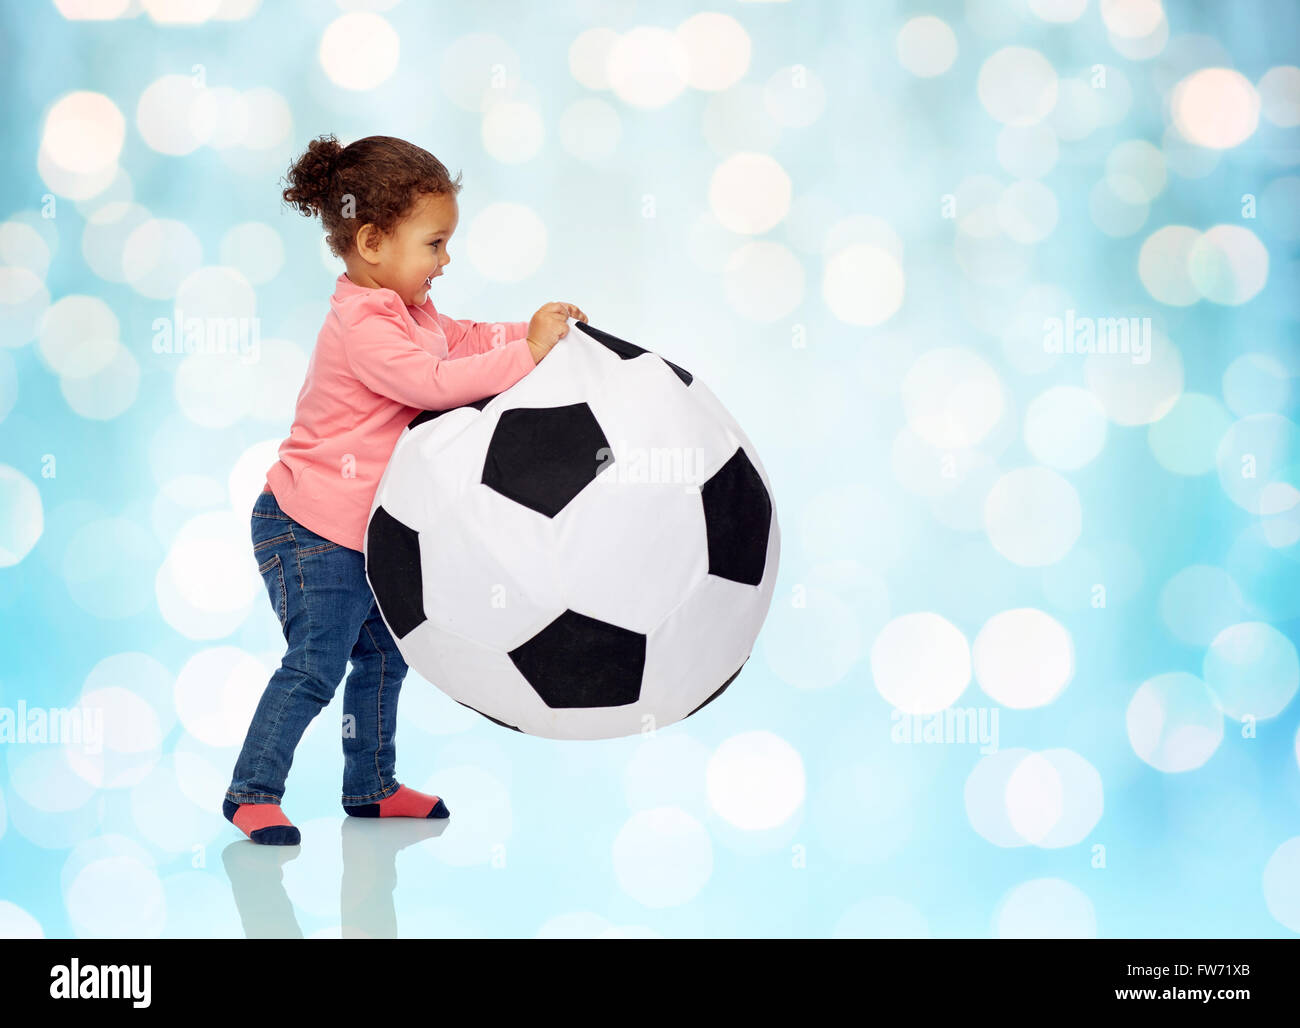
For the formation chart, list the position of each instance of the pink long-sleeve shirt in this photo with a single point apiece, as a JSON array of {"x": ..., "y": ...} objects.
[{"x": 378, "y": 363}]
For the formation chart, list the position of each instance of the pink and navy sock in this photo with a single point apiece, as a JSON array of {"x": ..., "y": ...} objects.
[
  {"x": 405, "y": 802},
  {"x": 262, "y": 822}
]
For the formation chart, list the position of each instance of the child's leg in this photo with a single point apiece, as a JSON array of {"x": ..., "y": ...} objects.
[
  {"x": 370, "y": 726},
  {"x": 319, "y": 592}
]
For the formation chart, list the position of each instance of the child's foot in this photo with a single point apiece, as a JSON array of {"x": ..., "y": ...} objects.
[
  {"x": 262, "y": 822},
  {"x": 405, "y": 802}
]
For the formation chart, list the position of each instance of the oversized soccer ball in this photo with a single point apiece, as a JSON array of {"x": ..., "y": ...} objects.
[{"x": 588, "y": 553}]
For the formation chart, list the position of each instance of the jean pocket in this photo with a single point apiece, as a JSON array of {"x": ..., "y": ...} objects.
[
  {"x": 272, "y": 572},
  {"x": 283, "y": 537}
]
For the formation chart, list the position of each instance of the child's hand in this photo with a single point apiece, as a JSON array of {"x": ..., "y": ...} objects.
[{"x": 548, "y": 326}]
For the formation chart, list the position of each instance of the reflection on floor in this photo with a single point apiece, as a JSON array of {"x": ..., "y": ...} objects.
[{"x": 370, "y": 849}]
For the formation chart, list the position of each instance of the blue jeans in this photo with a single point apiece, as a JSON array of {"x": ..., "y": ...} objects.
[{"x": 328, "y": 614}]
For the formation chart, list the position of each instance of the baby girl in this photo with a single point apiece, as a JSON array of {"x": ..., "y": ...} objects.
[{"x": 383, "y": 355}]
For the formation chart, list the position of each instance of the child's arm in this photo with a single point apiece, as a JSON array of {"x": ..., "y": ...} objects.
[
  {"x": 465, "y": 337},
  {"x": 387, "y": 361}
]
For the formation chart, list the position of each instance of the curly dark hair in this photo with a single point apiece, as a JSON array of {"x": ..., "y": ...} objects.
[{"x": 377, "y": 180}]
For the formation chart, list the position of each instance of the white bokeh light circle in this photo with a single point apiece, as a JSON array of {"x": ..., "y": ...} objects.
[
  {"x": 1023, "y": 658},
  {"x": 1216, "y": 108},
  {"x": 83, "y": 133},
  {"x": 1065, "y": 427},
  {"x": 23, "y": 302},
  {"x": 863, "y": 284},
  {"x": 1135, "y": 392},
  {"x": 170, "y": 117},
  {"x": 1017, "y": 86},
  {"x": 1132, "y": 19},
  {"x": 216, "y": 692},
  {"x": 1032, "y": 516},
  {"x": 17, "y": 923},
  {"x": 104, "y": 394},
  {"x": 749, "y": 193},
  {"x": 1256, "y": 383},
  {"x": 1279, "y": 94},
  {"x": 1253, "y": 455},
  {"x": 90, "y": 10},
  {"x": 1252, "y": 669},
  {"x": 1027, "y": 211},
  {"x": 1163, "y": 265},
  {"x": 926, "y": 46},
  {"x": 1135, "y": 171},
  {"x": 755, "y": 780},
  {"x": 952, "y": 398},
  {"x": 103, "y": 240},
  {"x": 717, "y": 50},
  {"x": 158, "y": 255},
  {"x": 588, "y": 56},
  {"x": 23, "y": 246},
  {"x": 22, "y": 517},
  {"x": 1228, "y": 264},
  {"x": 79, "y": 335},
  {"x": 1035, "y": 797},
  {"x": 116, "y": 898},
  {"x": 132, "y": 739},
  {"x": 984, "y": 797},
  {"x": 1045, "y": 908},
  {"x": 248, "y": 475},
  {"x": 75, "y": 185},
  {"x": 274, "y": 378},
  {"x": 506, "y": 263},
  {"x": 647, "y": 67},
  {"x": 1281, "y": 884},
  {"x": 920, "y": 663},
  {"x": 1078, "y": 110},
  {"x": 270, "y": 121},
  {"x": 1174, "y": 722},
  {"x": 207, "y": 583},
  {"x": 662, "y": 857},
  {"x": 359, "y": 50},
  {"x": 1113, "y": 214}
]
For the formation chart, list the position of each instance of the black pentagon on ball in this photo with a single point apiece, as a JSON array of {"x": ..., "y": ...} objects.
[
  {"x": 579, "y": 661},
  {"x": 542, "y": 457},
  {"x": 627, "y": 350},
  {"x": 429, "y": 415},
  {"x": 718, "y": 691},
  {"x": 393, "y": 560},
  {"x": 737, "y": 516}
]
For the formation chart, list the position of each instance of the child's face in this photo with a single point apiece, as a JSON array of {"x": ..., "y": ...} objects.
[{"x": 416, "y": 252}]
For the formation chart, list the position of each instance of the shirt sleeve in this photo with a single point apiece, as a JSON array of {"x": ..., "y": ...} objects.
[
  {"x": 385, "y": 359},
  {"x": 465, "y": 337}
]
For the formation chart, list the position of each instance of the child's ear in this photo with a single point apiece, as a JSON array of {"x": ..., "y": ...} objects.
[{"x": 369, "y": 240}]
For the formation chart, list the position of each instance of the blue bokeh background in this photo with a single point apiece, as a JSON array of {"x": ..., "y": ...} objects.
[{"x": 837, "y": 190}]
